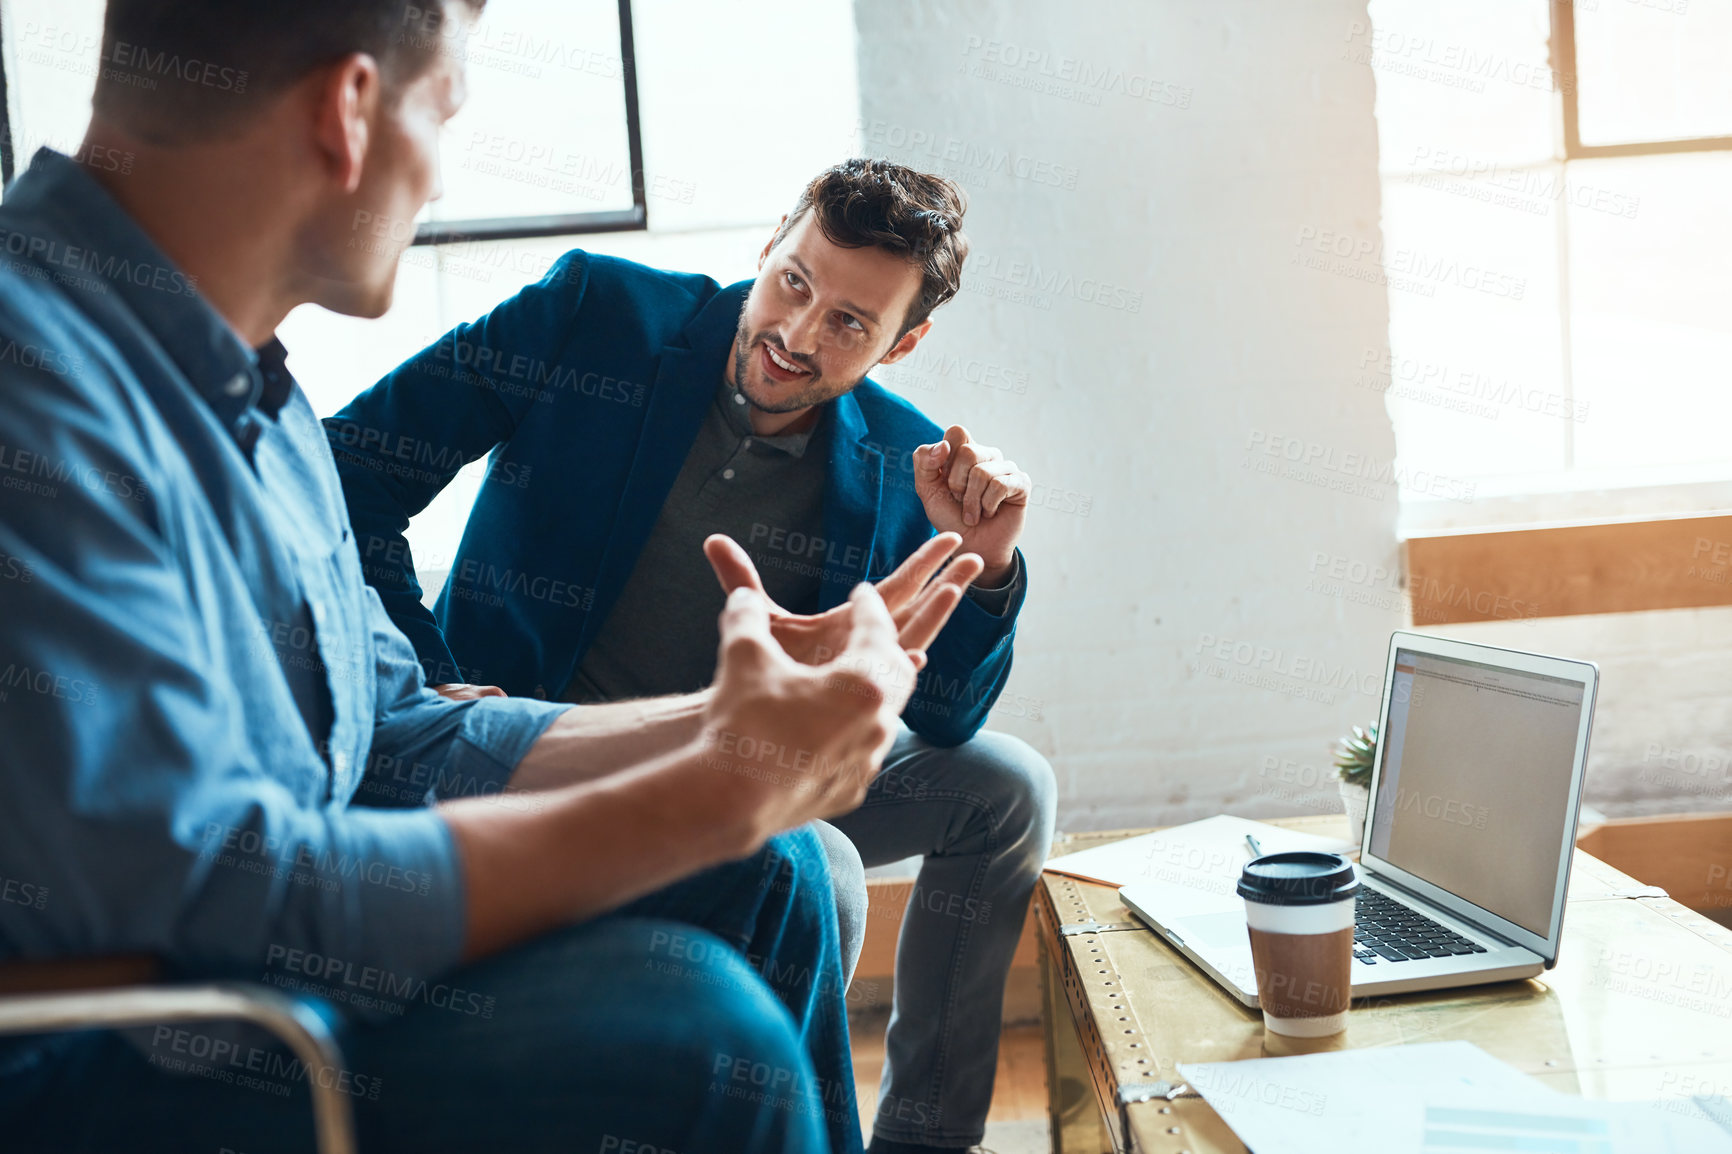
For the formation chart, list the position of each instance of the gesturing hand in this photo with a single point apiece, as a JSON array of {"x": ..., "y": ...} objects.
[
  {"x": 970, "y": 489},
  {"x": 917, "y": 604},
  {"x": 803, "y": 740}
]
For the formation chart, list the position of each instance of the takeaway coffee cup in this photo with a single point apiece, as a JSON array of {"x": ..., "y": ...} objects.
[{"x": 1299, "y": 907}]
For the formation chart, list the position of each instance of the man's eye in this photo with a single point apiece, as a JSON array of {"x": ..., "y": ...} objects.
[
  {"x": 853, "y": 323},
  {"x": 794, "y": 281}
]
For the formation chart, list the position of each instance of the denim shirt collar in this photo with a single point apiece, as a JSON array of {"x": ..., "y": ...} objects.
[{"x": 88, "y": 238}]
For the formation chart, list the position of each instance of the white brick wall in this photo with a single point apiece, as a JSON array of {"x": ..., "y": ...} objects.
[
  {"x": 1180, "y": 150},
  {"x": 1175, "y": 151}
]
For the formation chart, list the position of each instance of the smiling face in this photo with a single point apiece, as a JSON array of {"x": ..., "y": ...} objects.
[{"x": 819, "y": 318}]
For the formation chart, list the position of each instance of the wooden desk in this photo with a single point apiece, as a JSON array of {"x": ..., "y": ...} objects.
[{"x": 1638, "y": 1006}]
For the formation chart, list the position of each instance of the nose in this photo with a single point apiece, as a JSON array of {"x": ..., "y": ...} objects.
[{"x": 801, "y": 334}]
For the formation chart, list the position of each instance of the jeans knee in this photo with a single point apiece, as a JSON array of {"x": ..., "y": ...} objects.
[
  {"x": 701, "y": 989},
  {"x": 741, "y": 1033},
  {"x": 1020, "y": 779},
  {"x": 1021, "y": 788},
  {"x": 801, "y": 864},
  {"x": 735, "y": 1041},
  {"x": 848, "y": 883},
  {"x": 799, "y": 869}
]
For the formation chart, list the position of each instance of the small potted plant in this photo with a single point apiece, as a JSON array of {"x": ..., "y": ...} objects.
[{"x": 1354, "y": 758}]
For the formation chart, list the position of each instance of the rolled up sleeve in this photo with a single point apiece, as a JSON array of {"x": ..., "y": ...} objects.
[
  {"x": 426, "y": 748},
  {"x": 152, "y": 806}
]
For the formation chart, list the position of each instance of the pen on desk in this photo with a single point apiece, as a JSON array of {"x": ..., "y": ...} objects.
[{"x": 1251, "y": 844}]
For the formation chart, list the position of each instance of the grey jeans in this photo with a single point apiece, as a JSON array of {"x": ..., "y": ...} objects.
[{"x": 981, "y": 816}]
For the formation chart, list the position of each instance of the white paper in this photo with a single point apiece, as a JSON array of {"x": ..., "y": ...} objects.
[
  {"x": 1213, "y": 848},
  {"x": 1715, "y": 1108},
  {"x": 1456, "y": 1121},
  {"x": 1347, "y": 1099},
  {"x": 1433, "y": 1098}
]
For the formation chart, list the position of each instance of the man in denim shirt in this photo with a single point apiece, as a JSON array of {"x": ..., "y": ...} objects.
[{"x": 217, "y": 749}]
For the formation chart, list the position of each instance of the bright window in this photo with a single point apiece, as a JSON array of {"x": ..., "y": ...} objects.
[
  {"x": 545, "y": 135},
  {"x": 1554, "y": 236}
]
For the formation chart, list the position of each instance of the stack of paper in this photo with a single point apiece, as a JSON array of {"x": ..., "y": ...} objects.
[{"x": 1434, "y": 1098}]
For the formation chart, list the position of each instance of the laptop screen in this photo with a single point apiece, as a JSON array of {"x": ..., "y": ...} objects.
[{"x": 1474, "y": 791}]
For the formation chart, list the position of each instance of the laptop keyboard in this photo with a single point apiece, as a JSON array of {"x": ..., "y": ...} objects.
[{"x": 1384, "y": 930}]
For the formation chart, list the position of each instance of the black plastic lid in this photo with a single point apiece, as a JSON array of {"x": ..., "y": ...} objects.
[{"x": 1298, "y": 878}]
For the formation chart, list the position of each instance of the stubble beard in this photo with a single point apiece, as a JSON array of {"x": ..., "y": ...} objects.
[{"x": 814, "y": 392}]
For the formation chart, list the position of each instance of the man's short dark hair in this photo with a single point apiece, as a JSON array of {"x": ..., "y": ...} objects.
[
  {"x": 175, "y": 71},
  {"x": 863, "y": 203}
]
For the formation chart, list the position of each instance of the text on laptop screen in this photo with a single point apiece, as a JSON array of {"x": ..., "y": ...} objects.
[{"x": 1474, "y": 790}]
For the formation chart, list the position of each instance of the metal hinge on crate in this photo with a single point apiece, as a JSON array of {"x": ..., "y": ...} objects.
[
  {"x": 1134, "y": 1092},
  {"x": 1072, "y": 929}
]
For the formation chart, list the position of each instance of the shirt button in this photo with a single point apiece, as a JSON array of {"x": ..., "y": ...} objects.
[
  {"x": 727, "y": 474},
  {"x": 239, "y": 385},
  {"x": 541, "y": 692},
  {"x": 739, "y": 399},
  {"x": 746, "y": 444}
]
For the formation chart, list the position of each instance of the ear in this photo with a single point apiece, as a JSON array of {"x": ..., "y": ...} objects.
[
  {"x": 345, "y": 99},
  {"x": 906, "y": 345},
  {"x": 771, "y": 243}
]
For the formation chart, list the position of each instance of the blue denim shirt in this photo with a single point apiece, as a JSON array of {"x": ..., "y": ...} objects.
[{"x": 214, "y": 745}]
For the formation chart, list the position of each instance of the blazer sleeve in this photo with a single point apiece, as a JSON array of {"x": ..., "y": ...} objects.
[
  {"x": 399, "y": 443},
  {"x": 966, "y": 668}
]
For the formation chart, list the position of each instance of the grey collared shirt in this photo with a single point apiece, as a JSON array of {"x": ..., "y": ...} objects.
[
  {"x": 661, "y": 636},
  {"x": 764, "y": 492}
]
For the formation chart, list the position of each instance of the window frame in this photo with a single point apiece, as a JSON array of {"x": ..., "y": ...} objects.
[
  {"x": 7, "y": 163},
  {"x": 1569, "y": 146},
  {"x": 1641, "y": 562},
  {"x": 633, "y": 219},
  {"x": 1563, "y": 47}
]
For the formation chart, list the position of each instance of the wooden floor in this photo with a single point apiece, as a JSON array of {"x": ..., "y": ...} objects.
[{"x": 1019, "y": 1095}]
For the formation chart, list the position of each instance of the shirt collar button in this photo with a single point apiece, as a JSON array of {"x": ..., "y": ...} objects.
[{"x": 238, "y": 385}]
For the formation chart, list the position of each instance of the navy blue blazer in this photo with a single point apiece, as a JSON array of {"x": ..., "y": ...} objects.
[{"x": 588, "y": 390}]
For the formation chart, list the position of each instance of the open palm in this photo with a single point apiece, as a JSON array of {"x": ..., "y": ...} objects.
[{"x": 919, "y": 603}]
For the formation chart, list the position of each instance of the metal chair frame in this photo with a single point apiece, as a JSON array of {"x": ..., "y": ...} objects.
[{"x": 297, "y": 1025}]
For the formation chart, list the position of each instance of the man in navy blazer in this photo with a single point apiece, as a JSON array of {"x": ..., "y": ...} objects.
[{"x": 638, "y": 420}]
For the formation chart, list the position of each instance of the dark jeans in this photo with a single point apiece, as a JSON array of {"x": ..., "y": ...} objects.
[{"x": 706, "y": 1017}]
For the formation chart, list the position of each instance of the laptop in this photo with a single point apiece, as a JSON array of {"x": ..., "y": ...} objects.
[{"x": 1465, "y": 858}]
